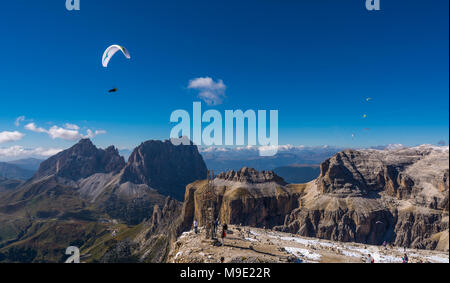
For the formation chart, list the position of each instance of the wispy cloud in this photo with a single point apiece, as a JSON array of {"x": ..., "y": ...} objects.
[
  {"x": 19, "y": 120},
  {"x": 71, "y": 126},
  {"x": 68, "y": 132},
  {"x": 91, "y": 134},
  {"x": 213, "y": 93},
  {"x": 10, "y": 136}
]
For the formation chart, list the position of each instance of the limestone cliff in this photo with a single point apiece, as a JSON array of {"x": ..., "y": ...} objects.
[
  {"x": 371, "y": 196},
  {"x": 247, "y": 197}
]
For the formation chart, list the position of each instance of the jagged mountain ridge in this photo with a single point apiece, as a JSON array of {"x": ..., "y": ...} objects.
[
  {"x": 94, "y": 172},
  {"x": 80, "y": 161},
  {"x": 371, "y": 196},
  {"x": 103, "y": 179},
  {"x": 366, "y": 196},
  {"x": 88, "y": 186}
]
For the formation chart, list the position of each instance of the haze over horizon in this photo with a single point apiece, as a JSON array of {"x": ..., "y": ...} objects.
[{"x": 17, "y": 153}]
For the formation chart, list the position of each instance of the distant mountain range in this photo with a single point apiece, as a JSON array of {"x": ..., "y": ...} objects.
[
  {"x": 31, "y": 164},
  {"x": 225, "y": 159},
  {"x": 14, "y": 172}
]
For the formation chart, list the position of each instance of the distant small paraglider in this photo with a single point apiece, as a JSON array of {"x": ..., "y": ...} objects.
[
  {"x": 368, "y": 99},
  {"x": 112, "y": 90},
  {"x": 366, "y": 129}
]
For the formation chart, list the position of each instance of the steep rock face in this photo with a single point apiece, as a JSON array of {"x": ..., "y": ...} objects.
[
  {"x": 371, "y": 196},
  {"x": 420, "y": 228},
  {"x": 151, "y": 243},
  {"x": 246, "y": 197},
  {"x": 159, "y": 232},
  {"x": 80, "y": 161},
  {"x": 338, "y": 219},
  {"x": 165, "y": 167}
]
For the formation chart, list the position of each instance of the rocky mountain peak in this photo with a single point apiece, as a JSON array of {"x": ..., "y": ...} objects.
[
  {"x": 251, "y": 175},
  {"x": 112, "y": 149},
  {"x": 81, "y": 160},
  {"x": 165, "y": 167}
]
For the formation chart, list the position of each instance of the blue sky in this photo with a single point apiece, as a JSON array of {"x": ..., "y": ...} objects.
[{"x": 315, "y": 61}]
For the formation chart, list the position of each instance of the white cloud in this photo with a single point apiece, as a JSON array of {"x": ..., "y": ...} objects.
[
  {"x": 71, "y": 126},
  {"x": 22, "y": 152},
  {"x": 68, "y": 132},
  {"x": 46, "y": 152},
  {"x": 19, "y": 120},
  {"x": 56, "y": 132},
  {"x": 32, "y": 127},
  {"x": 10, "y": 136},
  {"x": 213, "y": 93}
]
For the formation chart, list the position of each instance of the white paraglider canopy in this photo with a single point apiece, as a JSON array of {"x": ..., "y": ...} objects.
[{"x": 110, "y": 51}]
